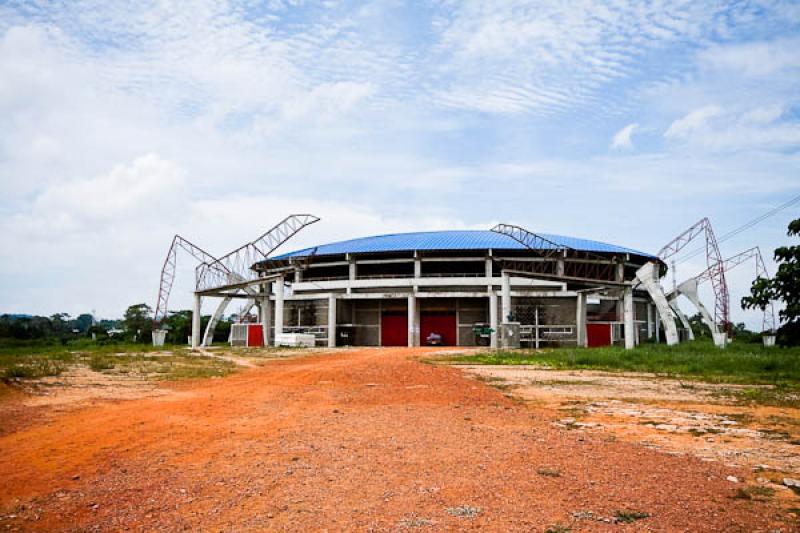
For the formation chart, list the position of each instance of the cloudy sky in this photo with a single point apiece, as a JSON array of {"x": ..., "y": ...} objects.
[{"x": 622, "y": 121}]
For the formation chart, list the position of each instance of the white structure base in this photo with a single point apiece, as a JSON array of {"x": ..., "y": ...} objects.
[
  {"x": 720, "y": 338},
  {"x": 648, "y": 277},
  {"x": 238, "y": 336},
  {"x": 295, "y": 339},
  {"x": 769, "y": 340},
  {"x": 509, "y": 335},
  {"x": 160, "y": 334}
]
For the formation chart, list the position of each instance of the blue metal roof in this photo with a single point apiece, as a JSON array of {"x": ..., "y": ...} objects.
[{"x": 450, "y": 240}]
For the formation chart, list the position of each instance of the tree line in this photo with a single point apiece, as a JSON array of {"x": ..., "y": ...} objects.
[{"x": 136, "y": 326}]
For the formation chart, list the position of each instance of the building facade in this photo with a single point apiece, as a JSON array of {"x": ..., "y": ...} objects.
[{"x": 456, "y": 288}]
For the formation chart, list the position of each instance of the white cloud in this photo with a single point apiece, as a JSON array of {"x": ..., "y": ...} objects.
[
  {"x": 622, "y": 139},
  {"x": 692, "y": 122},
  {"x": 755, "y": 59},
  {"x": 376, "y": 118}
]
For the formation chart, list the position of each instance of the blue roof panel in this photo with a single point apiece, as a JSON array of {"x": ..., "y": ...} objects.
[{"x": 450, "y": 240}]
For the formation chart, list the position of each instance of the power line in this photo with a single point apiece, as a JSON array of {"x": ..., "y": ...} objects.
[{"x": 747, "y": 225}]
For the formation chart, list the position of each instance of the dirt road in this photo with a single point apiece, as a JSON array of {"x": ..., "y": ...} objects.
[{"x": 359, "y": 440}]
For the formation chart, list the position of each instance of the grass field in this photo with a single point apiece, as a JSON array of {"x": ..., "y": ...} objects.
[
  {"x": 738, "y": 363},
  {"x": 36, "y": 360}
]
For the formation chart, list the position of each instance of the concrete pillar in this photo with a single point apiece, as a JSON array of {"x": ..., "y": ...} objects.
[
  {"x": 649, "y": 320},
  {"x": 493, "y": 318},
  {"x": 278, "y": 306},
  {"x": 417, "y": 266},
  {"x": 619, "y": 274},
  {"x": 627, "y": 316},
  {"x": 689, "y": 289},
  {"x": 413, "y": 330},
  {"x": 648, "y": 277},
  {"x": 506, "y": 298},
  {"x": 353, "y": 272},
  {"x": 266, "y": 314},
  {"x": 580, "y": 320},
  {"x": 198, "y": 303},
  {"x": 331, "y": 320},
  {"x": 298, "y": 276},
  {"x": 673, "y": 302}
]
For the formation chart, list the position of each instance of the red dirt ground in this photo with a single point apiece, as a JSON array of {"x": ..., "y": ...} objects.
[{"x": 368, "y": 440}]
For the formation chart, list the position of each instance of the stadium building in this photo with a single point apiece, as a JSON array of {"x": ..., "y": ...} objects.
[{"x": 458, "y": 288}]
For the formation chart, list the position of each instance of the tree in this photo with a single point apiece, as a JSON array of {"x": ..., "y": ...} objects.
[
  {"x": 699, "y": 328},
  {"x": 84, "y": 322},
  {"x": 138, "y": 322},
  {"x": 784, "y": 287}
]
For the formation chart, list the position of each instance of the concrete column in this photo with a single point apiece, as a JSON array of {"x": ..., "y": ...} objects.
[
  {"x": 278, "y": 306},
  {"x": 619, "y": 274},
  {"x": 506, "y": 298},
  {"x": 417, "y": 266},
  {"x": 673, "y": 302},
  {"x": 649, "y": 320},
  {"x": 627, "y": 315},
  {"x": 298, "y": 276},
  {"x": 648, "y": 277},
  {"x": 331, "y": 320},
  {"x": 493, "y": 318},
  {"x": 689, "y": 289},
  {"x": 198, "y": 303},
  {"x": 413, "y": 330},
  {"x": 266, "y": 314},
  {"x": 580, "y": 320},
  {"x": 353, "y": 272}
]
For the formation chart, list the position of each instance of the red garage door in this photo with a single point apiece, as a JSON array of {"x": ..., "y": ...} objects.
[
  {"x": 394, "y": 329},
  {"x": 598, "y": 335},
  {"x": 255, "y": 335},
  {"x": 442, "y": 323}
]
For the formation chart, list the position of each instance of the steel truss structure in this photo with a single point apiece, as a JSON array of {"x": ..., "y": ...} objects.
[
  {"x": 768, "y": 321},
  {"x": 559, "y": 261},
  {"x": 169, "y": 267},
  {"x": 233, "y": 270},
  {"x": 715, "y": 266}
]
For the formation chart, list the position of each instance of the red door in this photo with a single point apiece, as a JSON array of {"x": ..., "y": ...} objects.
[
  {"x": 598, "y": 335},
  {"x": 394, "y": 329},
  {"x": 255, "y": 335},
  {"x": 442, "y": 323}
]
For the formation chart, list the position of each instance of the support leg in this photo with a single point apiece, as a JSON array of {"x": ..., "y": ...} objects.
[
  {"x": 331, "y": 320},
  {"x": 198, "y": 302},
  {"x": 648, "y": 277},
  {"x": 580, "y": 320},
  {"x": 412, "y": 320},
  {"x": 208, "y": 336},
  {"x": 493, "y": 318},
  {"x": 627, "y": 315},
  {"x": 278, "y": 308}
]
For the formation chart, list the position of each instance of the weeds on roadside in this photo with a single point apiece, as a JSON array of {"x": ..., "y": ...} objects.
[
  {"x": 99, "y": 362},
  {"x": 557, "y": 528},
  {"x": 548, "y": 472},
  {"x": 32, "y": 369},
  {"x": 755, "y": 492},
  {"x": 463, "y": 511},
  {"x": 628, "y": 517}
]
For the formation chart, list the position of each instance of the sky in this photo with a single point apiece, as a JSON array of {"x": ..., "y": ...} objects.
[{"x": 124, "y": 123}]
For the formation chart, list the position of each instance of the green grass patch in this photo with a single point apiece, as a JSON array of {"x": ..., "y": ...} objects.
[
  {"x": 26, "y": 360},
  {"x": 738, "y": 363}
]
